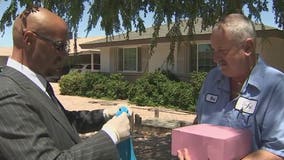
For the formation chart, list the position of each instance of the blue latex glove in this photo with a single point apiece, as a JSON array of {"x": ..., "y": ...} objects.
[{"x": 125, "y": 147}]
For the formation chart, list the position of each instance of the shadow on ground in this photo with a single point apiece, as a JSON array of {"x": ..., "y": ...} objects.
[
  {"x": 152, "y": 145},
  {"x": 149, "y": 144}
]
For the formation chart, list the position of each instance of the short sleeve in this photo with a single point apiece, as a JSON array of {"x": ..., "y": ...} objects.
[{"x": 273, "y": 125}]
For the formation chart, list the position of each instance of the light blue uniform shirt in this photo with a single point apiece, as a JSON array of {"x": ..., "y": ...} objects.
[{"x": 260, "y": 106}]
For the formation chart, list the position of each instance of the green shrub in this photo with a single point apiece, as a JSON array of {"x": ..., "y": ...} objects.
[
  {"x": 86, "y": 84},
  {"x": 70, "y": 84},
  {"x": 152, "y": 89},
  {"x": 117, "y": 87},
  {"x": 91, "y": 84},
  {"x": 179, "y": 95},
  {"x": 148, "y": 90},
  {"x": 196, "y": 80},
  {"x": 99, "y": 87},
  {"x": 171, "y": 76}
]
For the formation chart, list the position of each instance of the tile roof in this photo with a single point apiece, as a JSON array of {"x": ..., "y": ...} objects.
[
  {"x": 162, "y": 33},
  {"x": 83, "y": 40}
]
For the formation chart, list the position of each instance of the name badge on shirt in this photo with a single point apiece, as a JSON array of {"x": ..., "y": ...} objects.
[
  {"x": 246, "y": 105},
  {"x": 211, "y": 98}
]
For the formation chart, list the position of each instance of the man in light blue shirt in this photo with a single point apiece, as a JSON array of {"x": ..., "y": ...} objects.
[
  {"x": 242, "y": 91},
  {"x": 259, "y": 105}
]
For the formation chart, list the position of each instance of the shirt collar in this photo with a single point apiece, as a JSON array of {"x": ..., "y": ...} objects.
[
  {"x": 222, "y": 81},
  {"x": 256, "y": 76},
  {"x": 35, "y": 78}
]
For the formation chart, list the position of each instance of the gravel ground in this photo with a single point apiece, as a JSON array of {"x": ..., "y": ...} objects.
[{"x": 149, "y": 143}]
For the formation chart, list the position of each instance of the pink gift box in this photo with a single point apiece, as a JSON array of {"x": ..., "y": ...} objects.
[{"x": 206, "y": 141}]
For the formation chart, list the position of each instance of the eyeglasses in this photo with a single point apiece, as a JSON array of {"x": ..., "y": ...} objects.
[{"x": 62, "y": 46}]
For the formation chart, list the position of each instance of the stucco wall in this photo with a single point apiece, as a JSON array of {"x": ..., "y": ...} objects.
[
  {"x": 105, "y": 59},
  {"x": 272, "y": 51},
  {"x": 159, "y": 58}
]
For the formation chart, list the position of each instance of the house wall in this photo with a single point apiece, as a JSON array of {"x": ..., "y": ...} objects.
[
  {"x": 272, "y": 51},
  {"x": 159, "y": 58},
  {"x": 181, "y": 54},
  {"x": 105, "y": 59}
]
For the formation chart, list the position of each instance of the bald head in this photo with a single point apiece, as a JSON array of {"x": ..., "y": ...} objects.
[
  {"x": 40, "y": 40},
  {"x": 39, "y": 20}
]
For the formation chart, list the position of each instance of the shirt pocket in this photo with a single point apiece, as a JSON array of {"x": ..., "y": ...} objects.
[{"x": 238, "y": 119}]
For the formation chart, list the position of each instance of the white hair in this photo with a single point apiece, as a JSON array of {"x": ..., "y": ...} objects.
[{"x": 239, "y": 26}]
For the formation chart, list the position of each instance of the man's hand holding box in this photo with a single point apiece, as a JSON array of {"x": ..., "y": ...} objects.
[{"x": 206, "y": 141}]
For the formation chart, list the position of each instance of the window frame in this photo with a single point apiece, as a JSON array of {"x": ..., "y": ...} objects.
[
  {"x": 198, "y": 55},
  {"x": 121, "y": 60}
]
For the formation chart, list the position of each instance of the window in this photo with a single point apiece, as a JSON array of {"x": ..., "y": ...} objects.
[
  {"x": 129, "y": 59},
  {"x": 202, "y": 57}
]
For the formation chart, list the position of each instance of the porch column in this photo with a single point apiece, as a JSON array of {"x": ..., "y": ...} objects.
[{"x": 92, "y": 61}]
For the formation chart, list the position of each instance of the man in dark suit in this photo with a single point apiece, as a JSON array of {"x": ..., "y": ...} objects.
[{"x": 33, "y": 123}]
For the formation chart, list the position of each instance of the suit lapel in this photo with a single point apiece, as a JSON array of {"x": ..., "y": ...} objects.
[
  {"x": 35, "y": 92},
  {"x": 55, "y": 111}
]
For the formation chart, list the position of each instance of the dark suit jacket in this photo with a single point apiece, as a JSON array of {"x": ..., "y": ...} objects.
[{"x": 32, "y": 127}]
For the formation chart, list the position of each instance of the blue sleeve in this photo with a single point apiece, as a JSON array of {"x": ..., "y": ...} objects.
[{"x": 273, "y": 124}]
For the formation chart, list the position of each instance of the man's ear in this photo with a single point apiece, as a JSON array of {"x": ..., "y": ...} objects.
[
  {"x": 28, "y": 38},
  {"x": 249, "y": 46}
]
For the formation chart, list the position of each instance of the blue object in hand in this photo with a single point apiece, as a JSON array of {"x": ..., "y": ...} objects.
[
  {"x": 121, "y": 110},
  {"x": 125, "y": 147}
]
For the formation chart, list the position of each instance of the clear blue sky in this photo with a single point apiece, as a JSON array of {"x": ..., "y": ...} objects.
[{"x": 6, "y": 39}]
